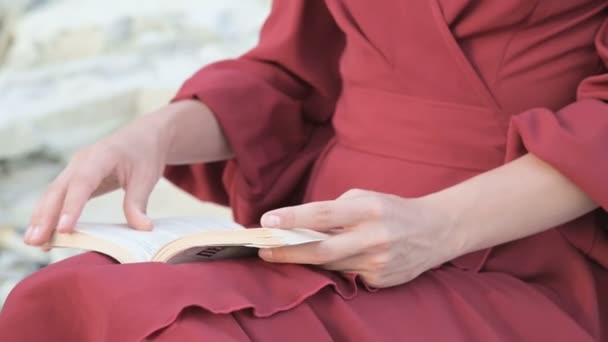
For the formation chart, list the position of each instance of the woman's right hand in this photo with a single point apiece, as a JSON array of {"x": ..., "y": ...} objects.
[{"x": 133, "y": 158}]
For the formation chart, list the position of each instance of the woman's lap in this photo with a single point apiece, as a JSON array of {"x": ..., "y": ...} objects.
[{"x": 90, "y": 298}]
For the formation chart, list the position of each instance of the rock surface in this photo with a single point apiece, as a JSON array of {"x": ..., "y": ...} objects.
[{"x": 71, "y": 71}]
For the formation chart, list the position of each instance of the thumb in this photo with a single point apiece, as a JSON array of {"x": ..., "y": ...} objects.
[{"x": 137, "y": 193}]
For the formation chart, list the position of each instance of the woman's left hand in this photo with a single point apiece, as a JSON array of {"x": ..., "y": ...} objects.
[{"x": 385, "y": 239}]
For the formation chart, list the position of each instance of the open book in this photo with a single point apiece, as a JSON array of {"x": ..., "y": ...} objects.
[{"x": 177, "y": 240}]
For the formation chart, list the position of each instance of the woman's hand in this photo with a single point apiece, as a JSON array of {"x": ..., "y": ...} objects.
[
  {"x": 133, "y": 158},
  {"x": 386, "y": 239},
  {"x": 390, "y": 240}
]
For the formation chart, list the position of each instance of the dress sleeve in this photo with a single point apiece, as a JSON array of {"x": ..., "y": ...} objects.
[
  {"x": 274, "y": 105},
  {"x": 574, "y": 140}
]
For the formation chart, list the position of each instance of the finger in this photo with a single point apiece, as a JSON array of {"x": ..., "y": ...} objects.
[
  {"x": 84, "y": 178},
  {"x": 33, "y": 224},
  {"x": 137, "y": 193},
  {"x": 80, "y": 190},
  {"x": 354, "y": 193},
  {"x": 335, "y": 248},
  {"x": 46, "y": 214},
  {"x": 33, "y": 221},
  {"x": 355, "y": 264},
  {"x": 324, "y": 215},
  {"x": 108, "y": 184}
]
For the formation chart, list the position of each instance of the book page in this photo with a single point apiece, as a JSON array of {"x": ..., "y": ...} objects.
[
  {"x": 141, "y": 245},
  {"x": 144, "y": 244},
  {"x": 181, "y": 226}
]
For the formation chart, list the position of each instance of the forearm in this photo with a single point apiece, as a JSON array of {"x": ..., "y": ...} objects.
[
  {"x": 194, "y": 134},
  {"x": 518, "y": 199}
]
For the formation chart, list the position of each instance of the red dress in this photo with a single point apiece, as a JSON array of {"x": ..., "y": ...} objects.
[{"x": 406, "y": 97}]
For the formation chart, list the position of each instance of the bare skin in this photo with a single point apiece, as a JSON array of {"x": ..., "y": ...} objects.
[
  {"x": 388, "y": 240},
  {"x": 133, "y": 159}
]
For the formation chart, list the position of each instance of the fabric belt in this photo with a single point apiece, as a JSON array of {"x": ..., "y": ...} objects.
[
  {"x": 449, "y": 135},
  {"x": 415, "y": 129}
]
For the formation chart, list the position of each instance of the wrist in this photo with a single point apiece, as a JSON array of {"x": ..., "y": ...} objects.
[
  {"x": 163, "y": 124},
  {"x": 450, "y": 212},
  {"x": 168, "y": 120}
]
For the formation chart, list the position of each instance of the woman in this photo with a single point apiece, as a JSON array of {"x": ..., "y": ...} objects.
[{"x": 476, "y": 129}]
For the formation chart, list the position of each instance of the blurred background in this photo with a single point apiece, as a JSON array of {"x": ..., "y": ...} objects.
[{"x": 71, "y": 71}]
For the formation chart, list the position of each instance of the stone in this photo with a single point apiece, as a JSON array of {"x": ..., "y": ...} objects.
[
  {"x": 6, "y": 26},
  {"x": 84, "y": 75},
  {"x": 117, "y": 26},
  {"x": 21, "y": 187}
]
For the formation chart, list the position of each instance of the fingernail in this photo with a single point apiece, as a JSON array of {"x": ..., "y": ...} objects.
[
  {"x": 271, "y": 221},
  {"x": 35, "y": 234},
  {"x": 64, "y": 223},
  {"x": 265, "y": 253}
]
